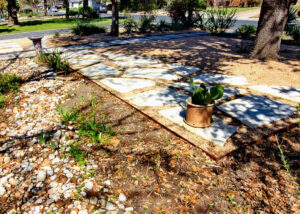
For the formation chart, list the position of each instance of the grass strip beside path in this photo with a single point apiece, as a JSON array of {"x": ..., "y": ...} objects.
[{"x": 48, "y": 24}]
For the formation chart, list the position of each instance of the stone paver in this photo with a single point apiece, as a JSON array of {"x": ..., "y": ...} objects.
[
  {"x": 285, "y": 92},
  {"x": 9, "y": 47},
  {"x": 218, "y": 132},
  {"x": 151, "y": 73},
  {"x": 99, "y": 71},
  {"x": 228, "y": 92},
  {"x": 120, "y": 57},
  {"x": 74, "y": 54},
  {"x": 221, "y": 79},
  {"x": 79, "y": 63},
  {"x": 159, "y": 97},
  {"x": 255, "y": 111},
  {"x": 136, "y": 63},
  {"x": 90, "y": 57},
  {"x": 183, "y": 70},
  {"x": 125, "y": 85}
]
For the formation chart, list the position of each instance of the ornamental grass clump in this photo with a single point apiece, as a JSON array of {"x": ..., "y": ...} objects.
[{"x": 203, "y": 96}]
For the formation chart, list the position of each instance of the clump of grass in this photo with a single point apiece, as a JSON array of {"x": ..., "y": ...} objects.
[
  {"x": 67, "y": 116},
  {"x": 9, "y": 83},
  {"x": 87, "y": 28},
  {"x": 77, "y": 154},
  {"x": 88, "y": 125},
  {"x": 54, "y": 60}
]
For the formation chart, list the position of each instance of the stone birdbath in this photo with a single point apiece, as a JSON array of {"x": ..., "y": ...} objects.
[{"x": 37, "y": 43}]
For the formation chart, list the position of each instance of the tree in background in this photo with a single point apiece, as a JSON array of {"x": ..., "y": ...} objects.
[
  {"x": 115, "y": 18},
  {"x": 45, "y": 8},
  {"x": 12, "y": 12},
  {"x": 85, "y": 9},
  {"x": 67, "y": 6},
  {"x": 272, "y": 20},
  {"x": 182, "y": 11}
]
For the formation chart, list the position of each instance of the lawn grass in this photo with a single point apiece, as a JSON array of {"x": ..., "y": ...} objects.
[{"x": 48, "y": 24}]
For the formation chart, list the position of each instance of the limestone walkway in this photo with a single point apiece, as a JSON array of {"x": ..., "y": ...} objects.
[
  {"x": 10, "y": 51},
  {"x": 157, "y": 89}
]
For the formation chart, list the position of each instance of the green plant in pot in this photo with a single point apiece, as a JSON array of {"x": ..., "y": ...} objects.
[{"x": 200, "y": 105}]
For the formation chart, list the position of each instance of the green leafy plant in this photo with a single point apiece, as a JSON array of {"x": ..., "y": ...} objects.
[
  {"x": 9, "y": 83},
  {"x": 293, "y": 30},
  {"x": 162, "y": 25},
  {"x": 77, "y": 154},
  {"x": 203, "y": 96},
  {"x": 54, "y": 60},
  {"x": 246, "y": 31},
  {"x": 66, "y": 115},
  {"x": 147, "y": 23},
  {"x": 130, "y": 26},
  {"x": 218, "y": 21},
  {"x": 87, "y": 28}
]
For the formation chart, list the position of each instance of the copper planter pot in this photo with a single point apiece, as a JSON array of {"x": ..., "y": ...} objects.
[{"x": 198, "y": 116}]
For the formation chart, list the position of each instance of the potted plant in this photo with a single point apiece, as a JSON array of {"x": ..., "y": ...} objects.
[{"x": 200, "y": 105}]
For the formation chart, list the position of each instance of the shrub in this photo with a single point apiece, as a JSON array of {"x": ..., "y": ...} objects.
[
  {"x": 56, "y": 34},
  {"x": 162, "y": 25},
  {"x": 9, "y": 82},
  {"x": 86, "y": 28},
  {"x": 293, "y": 30},
  {"x": 218, "y": 21},
  {"x": 74, "y": 12},
  {"x": 91, "y": 12},
  {"x": 147, "y": 23},
  {"x": 130, "y": 25},
  {"x": 183, "y": 11},
  {"x": 54, "y": 60},
  {"x": 201, "y": 95},
  {"x": 292, "y": 15},
  {"x": 177, "y": 26},
  {"x": 246, "y": 31}
]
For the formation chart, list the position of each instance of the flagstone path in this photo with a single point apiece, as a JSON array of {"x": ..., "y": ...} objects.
[{"x": 156, "y": 88}]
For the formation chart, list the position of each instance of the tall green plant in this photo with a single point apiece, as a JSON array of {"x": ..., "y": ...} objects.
[
  {"x": 218, "y": 21},
  {"x": 203, "y": 96}
]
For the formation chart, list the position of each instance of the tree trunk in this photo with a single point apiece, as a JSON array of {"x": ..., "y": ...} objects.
[
  {"x": 190, "y": 14},
  {"x": 115, "y": 19},
  {"x": 45, "y": 8},
  {"x": 67, "y": 6},
  {"x": 85, "y": 9},
  {"x": 12, "y": 13},
  {"x": 272, "y": 19}
]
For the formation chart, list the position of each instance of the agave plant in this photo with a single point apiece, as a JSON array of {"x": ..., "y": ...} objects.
[{"x": 203, "y": 96}]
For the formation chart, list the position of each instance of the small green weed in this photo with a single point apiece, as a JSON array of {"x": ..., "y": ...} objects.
[
  {"x": 2, "y": 100},
  {"x": 287, "y": 166},
  {"x": 9, "y": 83},
  {"x": 77, "y": 154},
  {"x": 230, "y": 198},
  {"x": 67, "y": 115}
]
